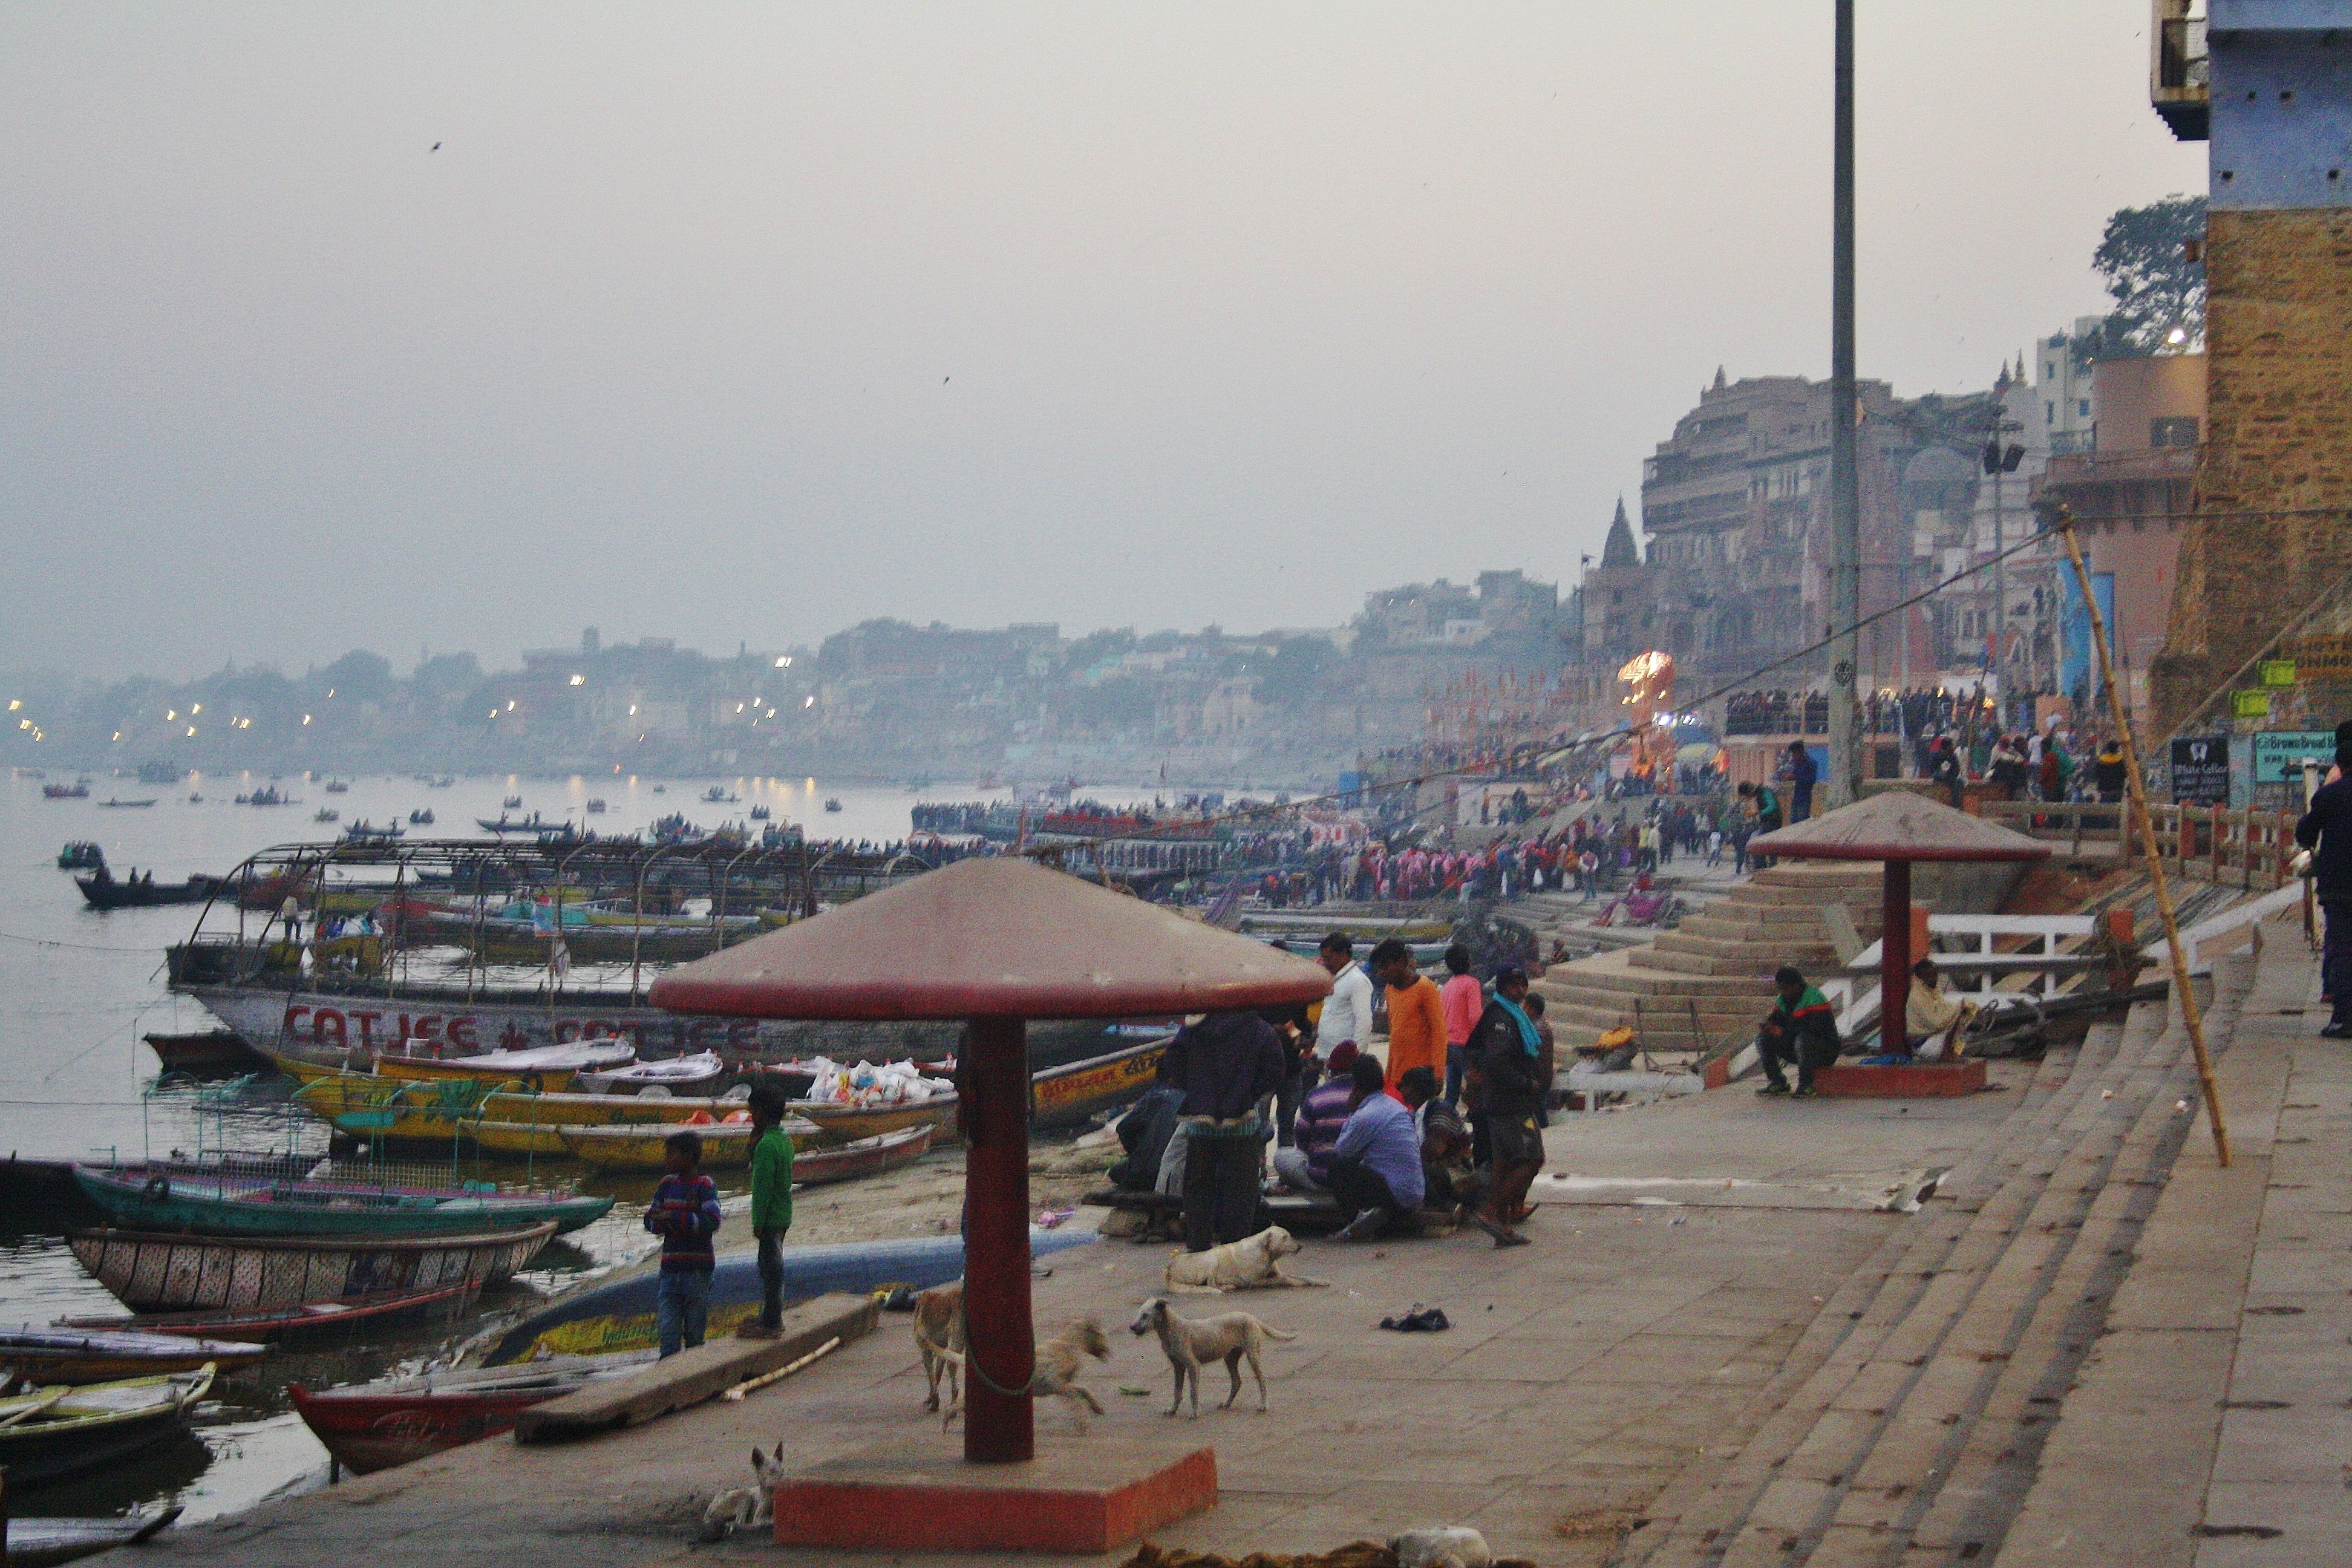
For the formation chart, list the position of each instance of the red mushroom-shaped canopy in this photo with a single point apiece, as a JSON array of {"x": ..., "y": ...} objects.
[
  {"x": 1898, "y": 826},
  {"x": 991, "y": 939}
]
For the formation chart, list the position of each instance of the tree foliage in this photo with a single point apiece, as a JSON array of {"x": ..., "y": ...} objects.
[{"x": 2158, "y": 289}]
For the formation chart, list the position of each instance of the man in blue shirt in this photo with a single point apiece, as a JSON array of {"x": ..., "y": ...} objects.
[
  {"x": 2327, "y": 831},
  {"x": 1376, "y": 1163}
]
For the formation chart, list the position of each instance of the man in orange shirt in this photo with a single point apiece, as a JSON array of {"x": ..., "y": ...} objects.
[{"x": 1416, "y": 1013}]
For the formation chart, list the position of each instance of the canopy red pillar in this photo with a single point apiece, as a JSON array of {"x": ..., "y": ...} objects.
[
  {"x": 994, "y": 942},
  {"x": 1898, "y": 827}
]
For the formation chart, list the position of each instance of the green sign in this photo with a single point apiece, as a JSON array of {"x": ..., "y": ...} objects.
[
  {"x": 2279, "y": 754},
  {"x": 2250, "y": 704},
  {"x": 2278, "y": 672}
]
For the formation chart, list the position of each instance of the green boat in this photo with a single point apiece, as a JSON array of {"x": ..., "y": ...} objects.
[{"x": 160, "y": 1198}]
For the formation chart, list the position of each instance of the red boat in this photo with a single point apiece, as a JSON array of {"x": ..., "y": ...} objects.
[
  {"x": 376, "y": 1426},
  {"x": 378, "y": 1309}
]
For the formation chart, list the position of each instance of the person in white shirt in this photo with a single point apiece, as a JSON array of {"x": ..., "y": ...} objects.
[{"x": 1348, "y": 1011}]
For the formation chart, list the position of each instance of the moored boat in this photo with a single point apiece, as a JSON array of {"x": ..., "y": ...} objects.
[
  {"x": 38, "y": 1542},
  {"x": 54, "y": 1432},
  {"x": 690, "y": 1075},
  {"x": 549, "y": 1069},
  {"x": 149, "y": 1272},
  {"x": 81, "y": 855},
  {"x": 64, "y": 792},
  {"x": 98, "y": 1355},
  {"x": 863, "y": 1157},
  {"x": 212, "y": 1052},
  {"x": 120, "y": 804},
  {"x": 375, "y": 1425},
  {"x": 103, "y": 892},
  {"x": 142, "y": 1197},
  {"x": 300, "y": 1320},
  {"x": 725, "y": 1145},
  {"x": 1067, "y": 1096}
]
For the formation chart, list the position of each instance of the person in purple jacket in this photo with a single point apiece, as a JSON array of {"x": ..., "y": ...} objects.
[
  {"x": 1306, "y": 1166},
  {"x": 685, "y": 1215}
]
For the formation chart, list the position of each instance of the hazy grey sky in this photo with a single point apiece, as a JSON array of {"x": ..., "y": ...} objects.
[{"x": 750, "y": 322}]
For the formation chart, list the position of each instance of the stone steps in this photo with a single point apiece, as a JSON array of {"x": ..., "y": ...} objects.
[{"x": 1911, "y": 1437}]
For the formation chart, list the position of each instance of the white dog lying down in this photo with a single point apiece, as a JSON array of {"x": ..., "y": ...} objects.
[
  {"x": 1192, "y": 1344},
  {"x": 1250, "y": 1264},
  {"x": 939, "y": 1335},
  {"x": 745, "y": 1507},
  {"x": 1059, "y": 1362}
]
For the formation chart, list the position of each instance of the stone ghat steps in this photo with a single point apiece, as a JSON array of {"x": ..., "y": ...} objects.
[{"x": 1907, "y": 1423}]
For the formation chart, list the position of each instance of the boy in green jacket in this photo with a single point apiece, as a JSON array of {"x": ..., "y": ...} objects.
[{"x": 772, "y": 1205}]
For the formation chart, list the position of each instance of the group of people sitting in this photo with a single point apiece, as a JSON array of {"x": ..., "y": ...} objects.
[{"x": 1387, "y": 1141}]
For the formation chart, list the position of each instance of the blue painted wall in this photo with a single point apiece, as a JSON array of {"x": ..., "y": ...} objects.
[{"x": 2282, "y": 104}]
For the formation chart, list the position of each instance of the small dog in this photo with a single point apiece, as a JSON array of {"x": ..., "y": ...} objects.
[
  {"x": 742, "y": 1507},
  {"x": 939, "y": 1335},
  {"x": 1442, "y": 1546},
  {"x": 1060, "y": 1360},
  {"x": 1192, "y": 1344},
  {"x": 1249, "y": 1264}
]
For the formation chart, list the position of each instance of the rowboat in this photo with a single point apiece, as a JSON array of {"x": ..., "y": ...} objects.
[
  {"x": 66, "y": 1355},
  {"x": 375, "y": 1425},
  {"x": 51, "y": 1433},
  {"x": 1064, "y": 1095},
  {"x": 41, "y": 1542},
  {"x": 207, "y": 1052},
  {"x": 865, "y": 1157},
  {"x": 302, "y": 1320},
  {"x": 616, "y": 1312},
  {"x": 143, "y": 1197},
  {"x": 149, "y": 1272},
  {"x": 549, "y": 1069},
  {"x": 103, "y": 892},
  {"x": 694, "y": 1074},
  {"x": 725, "y": 1145}
]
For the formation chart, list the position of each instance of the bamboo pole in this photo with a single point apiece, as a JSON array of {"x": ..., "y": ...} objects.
[{"x": 2145, "y": 827}]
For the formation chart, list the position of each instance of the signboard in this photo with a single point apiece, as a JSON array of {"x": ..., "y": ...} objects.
[
  {"x": 2278, "y": 672},
  {"x": 2250, "y": 705},
  {"x": 2201, "y": 770},
  {"x": 2278, "y": 755},
  {"x": 2078, "y": 663},
  {"x": 2321, "y": 659}
]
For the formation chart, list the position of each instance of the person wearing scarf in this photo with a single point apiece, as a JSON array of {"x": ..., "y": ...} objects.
[{"x": 1507, "y": 1090}]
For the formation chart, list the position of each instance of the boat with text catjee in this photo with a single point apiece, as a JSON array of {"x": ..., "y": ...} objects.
[{"x": 153, "y": 1272}]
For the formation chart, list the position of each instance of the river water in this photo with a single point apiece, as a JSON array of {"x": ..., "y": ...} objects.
[{"x": 77, "y": 989}]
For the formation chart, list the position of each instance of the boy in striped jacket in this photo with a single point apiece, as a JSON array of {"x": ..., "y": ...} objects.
[{"x": 685, "y": 1215}]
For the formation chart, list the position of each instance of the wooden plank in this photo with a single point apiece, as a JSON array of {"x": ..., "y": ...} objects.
[{"x": 692, "y": 1377}]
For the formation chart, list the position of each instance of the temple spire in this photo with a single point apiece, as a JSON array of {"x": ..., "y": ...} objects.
[{"x": 1621, "y": 550}]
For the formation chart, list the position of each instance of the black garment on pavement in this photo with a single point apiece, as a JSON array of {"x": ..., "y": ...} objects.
[{"x": 1225, "y": 1064}]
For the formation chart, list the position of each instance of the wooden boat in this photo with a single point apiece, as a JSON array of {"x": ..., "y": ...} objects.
[
  {"x": 42, "y": 1542},
  {"x": 117, "y": 804},
  {"x": 549, "y": 1069},
  {"x": 103, "y": 892},
  {"x": 725, "y": 1145},
  {"x": 212, "y": 1052},
  {"x": 1064, "y": 1095},
  {"x": 150, "y": 1272},
  {"x": 102, "y": 1355},
  {"x": 375, "y": 1425},
  {"x": 517, "y": 1139},
  {"x": 337, "y": 786},
  {"x": 691, "y": 1074},
  {"x": 81, "y": 855},
  {"x": 302, "y": 1320},
  {"x": 146, "y": 1197},
  {"x": 52, "y": 1433},
  {"x": 865, "y": 1157},
  {"x": 64, "y": 792}
]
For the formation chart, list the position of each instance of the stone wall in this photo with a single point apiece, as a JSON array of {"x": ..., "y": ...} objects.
[{"x": 2278, "y": 439}]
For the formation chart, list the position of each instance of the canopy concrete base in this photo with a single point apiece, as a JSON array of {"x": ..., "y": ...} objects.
[
  {"x": 915, "y": 1494},
  {"x": 1911, "y": 1080}
]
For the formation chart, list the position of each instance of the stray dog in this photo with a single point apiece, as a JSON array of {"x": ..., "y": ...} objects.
[
  {"x": 1192, "y": 1344},
  {"x": 1442, "y": 1546},
  {"x": 1059, "y": 1362},
  {"x": 938, "y": 1334},
  {"x": 741, "y": 1506},
  {"x": 1250, "y": 1264}
]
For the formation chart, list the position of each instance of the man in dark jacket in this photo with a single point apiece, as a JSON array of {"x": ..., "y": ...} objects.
[
  {"x": 1803, "y": 775},
  {"x": 1225, "y": 1064},
  {"x": 2327, "y": 831},
  {"x": 1144, "y": 1132},
  {"x": 1507, "y": 1088},
  {"x": 1801, "y": 1028}
]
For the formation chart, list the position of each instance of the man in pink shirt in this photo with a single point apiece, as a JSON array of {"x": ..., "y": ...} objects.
[{"x": 1463, "y": 1001}]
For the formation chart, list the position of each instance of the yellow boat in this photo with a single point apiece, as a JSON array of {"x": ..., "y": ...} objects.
[
  {"x": 725, "y": 1145},
  {"x": 519, "y": 1139}
]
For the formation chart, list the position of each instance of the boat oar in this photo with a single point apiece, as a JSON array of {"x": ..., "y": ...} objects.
[
  {"x": 749, "y": 1386},
  {"x": 33, "y": 1407}
]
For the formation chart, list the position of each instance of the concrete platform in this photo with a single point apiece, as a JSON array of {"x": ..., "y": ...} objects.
[
  {"x": 904, "y": 1495},
  {"x": 1911, "y": 1080}
]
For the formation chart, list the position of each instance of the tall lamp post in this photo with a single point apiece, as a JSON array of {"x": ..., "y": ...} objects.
[{"x": 1846, "y": 494}]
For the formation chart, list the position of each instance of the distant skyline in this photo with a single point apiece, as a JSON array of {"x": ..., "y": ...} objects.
[{"x": 730, "y": 323}]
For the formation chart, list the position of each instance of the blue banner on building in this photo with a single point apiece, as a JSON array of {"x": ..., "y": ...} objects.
[{"x": 2078, "y": 666}]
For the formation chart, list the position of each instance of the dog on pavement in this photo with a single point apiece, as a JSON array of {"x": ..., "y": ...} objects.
[
  {"x": 740, "y": 1508},
  {"x": 1193, "y": 1343},
  {"x": 939, "y": 1335},
  {"x": 1059, "y": 1362},
  {"x": 1252, "y": 1263}
]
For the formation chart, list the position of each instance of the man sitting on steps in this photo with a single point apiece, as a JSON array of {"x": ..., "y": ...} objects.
[{"x": 1799, "y": 1029}]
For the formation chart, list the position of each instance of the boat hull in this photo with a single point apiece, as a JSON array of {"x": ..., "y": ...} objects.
[
  {"x": 866, "y": 1157},
  {"x": 132, "y": 1199},
  {"x": 43, "y": 1543},
  {"x": 47, "y": 1450},
  {"x": 76, "y": 1356},
  {"x": 151, "y": 1272},
  {"x": 309, "y": 1321},
  {"x": 376, "y": 1426},
  {"x": 1062, "y": 1097}
]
